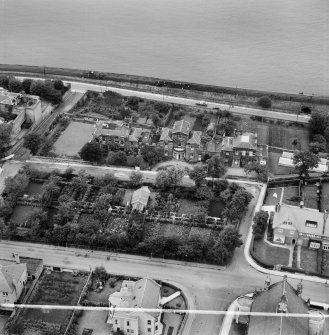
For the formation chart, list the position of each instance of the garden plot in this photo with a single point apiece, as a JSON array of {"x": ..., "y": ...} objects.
[
  {"x": 325, "y": 196},
  {"x": 216, "y": 207},
  {"x": 21, "y": 214},
  {"x": 75, "y": 136},
  {"x": 167, "y": 229},
  {"x": 203, "y": 233},
  {"x": 308, "y": 260},
  {"x": 275, "y": 168},
  {"x": 273, "y": 196},
  {"x": 55, "y": 288},
  {"x": 190, "y": 207},
  {"x": 190, "y": 119},
  {"x": 270, "y": 254},
  {"x": 290, "y": 196},
  {"x": 310, "y": 196},
  {"x": 34, "y": 189}
]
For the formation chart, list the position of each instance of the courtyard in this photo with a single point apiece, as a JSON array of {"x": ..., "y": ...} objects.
[{"x": 75, "y": 136}]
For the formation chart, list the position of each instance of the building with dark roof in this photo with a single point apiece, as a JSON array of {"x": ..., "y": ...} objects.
[{"x": 280, "y": 298}]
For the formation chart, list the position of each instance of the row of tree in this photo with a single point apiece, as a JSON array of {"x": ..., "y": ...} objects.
[{"x": 50, "y": 90}]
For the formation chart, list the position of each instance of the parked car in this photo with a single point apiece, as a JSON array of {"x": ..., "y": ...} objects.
[{"x": 201, "y": 103}]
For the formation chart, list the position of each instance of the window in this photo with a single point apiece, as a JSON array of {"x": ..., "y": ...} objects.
[
  {"x": 250, "y": 153},
  {"x": 148, "y": 322},
  {"x": 132, "y": 331},
  {"x": 192, "y": 155},
  {"x": 192, "y": 149},
  {"x": 149, "y": 330},
  {"x": 292, "y": 232},
  {"x": 311, "y": 224},
  {"x": 127, "y": 330},
  {"x": 156, "y": 327},
  {"x": 5, "y": 294},
  {"x": 289, "y": 223},
  {"x": 325, "y": 247},
  {"x": 116, "y": 322},
  {"x": 128, "y": 323}
]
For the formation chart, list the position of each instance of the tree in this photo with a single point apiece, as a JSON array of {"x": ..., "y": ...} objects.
[
  {"x": 216, "y": 167},
  {"x": 101, "y": 273},
  {"x": 152, "y": 155},
  {"x": 91, "y": 152},
  {"x": 58, "y": 85},
  {"x": 317, "y": 147},
  {"x": 2, "y": 227},
  {"x": 4, "y": 82},
  {"x": 136, "y": 178},
  {"x": 50, "y": 191},
  {"x": 169, "y": 178},
  {"x": 318, "y": 122},
  {"x": 226, "y": 127},
  {"x": 33, "y": 142},
  {"x": 264, "y": 102},
  {"x": 202, "y": 192},
  {"x": 26, "y": 85},
  {"x": 15, "y": 85},
  {"x": 305, "y": 161},
  {"x": 116, "y": 158},
  {"x": 162, "y": 107},
  {"x": 198, "y": 174},
  {"x": 260, "y": 221},
  {"x": 261, "y": 170},
  {"x": 162, "y": 180},
  {"x": 5, "y": 132}
]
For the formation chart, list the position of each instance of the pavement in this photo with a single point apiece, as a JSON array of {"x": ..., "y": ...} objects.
[{"x": 83, "y": 87}]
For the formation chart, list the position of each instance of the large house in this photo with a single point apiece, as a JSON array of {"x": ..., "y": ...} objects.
[
  {"x": 307, "y": 226},
  {"x": 238, "y": 150},
  {"x": 144, "y": 293},
  {"x": 22, "y": 109},
  {"x": 280, "y": 298},
  {"x": 13, "y": 277},
  {"x": 181, "y": 143}
]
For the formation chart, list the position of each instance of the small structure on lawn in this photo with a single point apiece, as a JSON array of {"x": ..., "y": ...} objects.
[{"x": 140, "y": 198}]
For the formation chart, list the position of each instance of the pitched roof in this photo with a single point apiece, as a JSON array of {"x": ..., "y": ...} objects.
[
  {"x": 165, "y": 135},
  {"x": 196, "y": 138},
  {"x": 10, "y": 273},
  {"x": 112, "y": 129},
  {"x": 141, "y": 195},
  {"x": 227, "y": 143},
  {"x": 298, "y": 217},
  {"x": 181, "y": 126},
  {"x": 267, "y": 301},
  {"x": 246, "y": 141},
  {"x": 136, "y": 134},
  {"x": 143, "y": 293}
]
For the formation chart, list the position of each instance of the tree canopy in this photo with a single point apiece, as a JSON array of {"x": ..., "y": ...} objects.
[
  {"x": 304, "y": 161},
  {"x": 91, "y": 152},
  {"x": 5, "y": 131},
  {"x": 33, "y": 142}
]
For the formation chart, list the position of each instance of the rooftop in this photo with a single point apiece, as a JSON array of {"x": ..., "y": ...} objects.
[{"x": 9, "y": 274}]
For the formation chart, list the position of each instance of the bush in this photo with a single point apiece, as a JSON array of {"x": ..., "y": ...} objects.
[{"x": 264, "y": 102}]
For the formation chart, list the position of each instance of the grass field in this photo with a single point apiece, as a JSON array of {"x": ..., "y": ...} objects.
[
  {"x": 271, "y": 254},
  {"x": 189, "y": 207},
  {"x": 75, "y": 136},
  {"x": 289, "y": 194},
  {"x": 275, "y": 168},
  {"x": 310, "y": 196},
  {"x": 56, "y": 288},
  {"x": 21, "y": 213},
  {"x": 274, "y": 135},
  {"x": 216, "y": 207},
  {"x": 34, "y": 189},
  {"x": 273, "y": 196},
  {"x": 308, "y": 259}
]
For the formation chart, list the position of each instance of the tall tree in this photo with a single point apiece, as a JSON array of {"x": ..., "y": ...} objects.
[
  {"x": 5, "y": 131},
  {"x": 305, "y": 161},
  {"x": 91, "y": 152},
  {"x": 136, "y": 178},
  {"x": 33, "y": 142},
  {"x": 15, "y": 85},
  {"x": 216, "y": 168},
  {"x": 198, "y": 174}
]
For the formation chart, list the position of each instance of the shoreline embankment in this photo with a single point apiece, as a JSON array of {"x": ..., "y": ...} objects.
[{"x": 241, "y": 96}]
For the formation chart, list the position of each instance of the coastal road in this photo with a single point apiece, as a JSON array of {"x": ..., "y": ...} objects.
[
  {"x": 210, "y": 287},
  {"x": 83, "y": 87}
]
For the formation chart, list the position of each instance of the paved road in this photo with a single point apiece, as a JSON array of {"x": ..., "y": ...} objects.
[
  {"x": 83, "y": 87},
  {"x": 211, "y": 288}
]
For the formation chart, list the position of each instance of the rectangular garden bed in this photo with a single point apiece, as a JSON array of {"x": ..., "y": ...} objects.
[
  {"x": 308, "y": 259},
  {"x": 216, "y": 207},
  {"x": 270, "y": 254},
  {"x": 21, "y": 213}
]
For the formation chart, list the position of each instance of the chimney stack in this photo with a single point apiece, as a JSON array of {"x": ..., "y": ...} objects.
[{"x": 16, "y": 258}]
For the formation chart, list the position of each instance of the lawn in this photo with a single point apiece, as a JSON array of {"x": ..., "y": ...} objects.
[
  {"x": 325, "y": 196},
  {"x": 290, "y": 196},
  {"x": 310, "y": 196},
  {"x": 95, "y": 320},
  {"x": 198, "y": 125},
  {"x": 308, "y": 260},
  {"x": 55, "y": 288},
  {"x": 274, "y": 135},
  {"x": 103, "y": 296},
  {"x": 274, "y": 167},
  {"x": 216, "y": 207},
  {"x": 203, "y": 233},
  {"x": 34, "y": 189},
  {"x": 21, "y": 213},
  {"x": 270, "y": 254},
  {"x": 273, "y": 196},
  {"x": 326, "y": 263},
  {"x": 75, "y": 136},
  {"x": 190, "y": 207}
]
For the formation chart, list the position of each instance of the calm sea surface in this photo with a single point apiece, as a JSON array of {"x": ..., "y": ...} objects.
[{"x": 278, "y": 45}]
